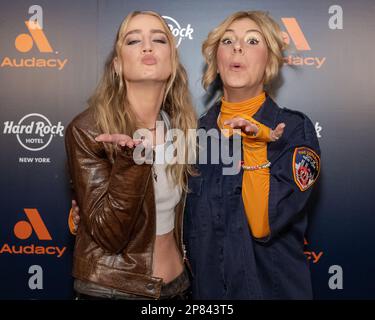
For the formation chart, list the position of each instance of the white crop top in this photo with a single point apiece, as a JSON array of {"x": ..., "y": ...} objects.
[{"x": 167, "y": 194}]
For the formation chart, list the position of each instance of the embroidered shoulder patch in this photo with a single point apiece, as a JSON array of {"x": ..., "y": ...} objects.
[{"x": 306, "y": 167}]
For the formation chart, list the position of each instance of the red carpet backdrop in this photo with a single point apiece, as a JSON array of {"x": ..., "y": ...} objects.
[{"x": 47, "y": 73}]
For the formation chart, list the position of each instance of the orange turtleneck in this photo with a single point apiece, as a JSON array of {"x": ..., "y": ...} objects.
[{"x": 255, "y": 184}]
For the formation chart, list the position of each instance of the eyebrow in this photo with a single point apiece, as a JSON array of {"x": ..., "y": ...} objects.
[
  {"x": 247, "y": 31},
  {"x": 140, "y": 31}
]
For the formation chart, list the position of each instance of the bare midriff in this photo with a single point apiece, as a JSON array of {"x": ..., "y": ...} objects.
[{"x": 167, "y": 259}]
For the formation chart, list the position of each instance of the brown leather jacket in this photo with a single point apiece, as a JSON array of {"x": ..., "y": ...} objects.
[{"x": 115, "y": 239}]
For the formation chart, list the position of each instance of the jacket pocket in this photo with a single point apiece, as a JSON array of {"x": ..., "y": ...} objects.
[
  {"x": 234, "y": 202},
  {"x": 196, "y": 219}
]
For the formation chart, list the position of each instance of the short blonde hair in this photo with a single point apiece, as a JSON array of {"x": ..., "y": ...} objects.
[{"x": 271, "y": 32}]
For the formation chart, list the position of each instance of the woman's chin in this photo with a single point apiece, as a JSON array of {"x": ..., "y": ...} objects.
[{"x": 236, "y": 85}]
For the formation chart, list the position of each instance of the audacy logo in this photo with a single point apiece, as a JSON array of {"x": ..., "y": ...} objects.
[
  {"x": 178, "y": 31},
  {"x": 295, "y": 34},
  {"x": 34, "y": 131},
  {"x": 23, "y": 230},
  {"x": 24, "y": 43}
]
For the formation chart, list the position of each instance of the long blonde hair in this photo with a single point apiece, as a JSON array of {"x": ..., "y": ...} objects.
[
  {"x": 271, "y": 32},
  {"x": 113, "y": 113}
]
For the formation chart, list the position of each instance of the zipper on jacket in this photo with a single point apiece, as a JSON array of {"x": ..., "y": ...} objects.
[
  {"x": 184, "y": 258},
  {"x": 154, "y": 236}
]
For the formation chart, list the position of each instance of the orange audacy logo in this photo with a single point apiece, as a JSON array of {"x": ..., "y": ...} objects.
[
  {"x": 24, "y": 42},
  {"x": 296, "y": 35},
  {"x": 312, "y": 255},
  {"x": 23, "y": 229}
]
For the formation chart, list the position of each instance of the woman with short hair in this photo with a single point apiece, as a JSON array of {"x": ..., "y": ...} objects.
[{"x": 245, "y": 232}]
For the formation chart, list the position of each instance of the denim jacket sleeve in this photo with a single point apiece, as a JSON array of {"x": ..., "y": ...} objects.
[{"x": 289, "y": 192}]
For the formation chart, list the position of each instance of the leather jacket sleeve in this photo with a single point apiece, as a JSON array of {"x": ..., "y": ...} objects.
[{"x": 109, "y": 193}]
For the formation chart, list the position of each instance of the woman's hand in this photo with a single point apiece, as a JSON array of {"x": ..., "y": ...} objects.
[
  {"x": 121, "y": 140},
  {"x": 250, "y": 128},
  {"x": 246, "y": 126},
  {"x": 75, "y": 215},
  {"x": 277, "y": 132}
]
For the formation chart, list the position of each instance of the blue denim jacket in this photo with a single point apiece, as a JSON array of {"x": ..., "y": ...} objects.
[{"x": 226, "y": 260}]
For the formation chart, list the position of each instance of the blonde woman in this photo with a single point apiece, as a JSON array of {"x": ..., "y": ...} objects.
[
  {"x": 129, "y": 243},
  {"x": 244, "y": 233}
]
